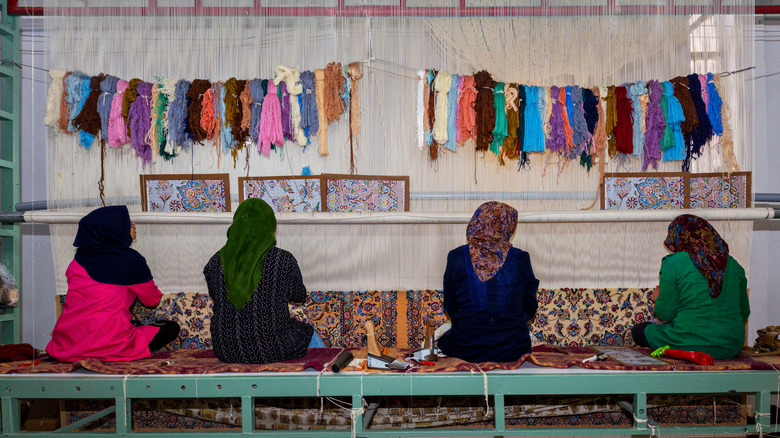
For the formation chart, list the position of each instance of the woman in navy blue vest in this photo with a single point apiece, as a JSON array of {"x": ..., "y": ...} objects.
[{"x": 489, "y": 291}]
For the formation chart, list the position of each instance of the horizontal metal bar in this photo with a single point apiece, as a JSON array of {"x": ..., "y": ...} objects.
[
  {"x": 767, "y": 197},
  {"x": 5, "y": 115},
  {"x": 6, "y": 164},
  {"x": 502, "y": 196},
  {"x": 364, "y": 218}
]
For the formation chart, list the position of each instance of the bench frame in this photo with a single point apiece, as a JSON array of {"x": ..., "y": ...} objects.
[{"x": 541, "y": 381}]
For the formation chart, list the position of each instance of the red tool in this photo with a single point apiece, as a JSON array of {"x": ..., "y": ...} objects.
[{"x": 696, "y": 357}]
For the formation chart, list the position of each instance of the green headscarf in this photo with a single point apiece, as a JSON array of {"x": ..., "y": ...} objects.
[{"x": 248, "y": 240}]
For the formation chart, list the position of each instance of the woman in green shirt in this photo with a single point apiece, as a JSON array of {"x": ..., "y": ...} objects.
[{"x": 701, "y": 298}]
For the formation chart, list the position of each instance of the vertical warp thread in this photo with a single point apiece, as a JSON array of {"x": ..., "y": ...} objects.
[{"x": 484, "y": 105}]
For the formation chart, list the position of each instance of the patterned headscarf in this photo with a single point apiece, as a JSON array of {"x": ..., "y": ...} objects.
[
  {"x": 488, "y": 234},
  {"x": 708, "y": 251}
]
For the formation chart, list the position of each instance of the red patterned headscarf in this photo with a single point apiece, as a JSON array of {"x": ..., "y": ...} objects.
[
  {"x": 488, "y": 234},
  {"x": 708, "y": 251}
]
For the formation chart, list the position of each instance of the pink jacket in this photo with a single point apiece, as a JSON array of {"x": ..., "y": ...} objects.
[{"x": 95, "y": 320}]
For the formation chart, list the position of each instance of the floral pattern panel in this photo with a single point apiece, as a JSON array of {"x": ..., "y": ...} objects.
[
  {"x": 643, "y": 192},
  {"x": 185, "y": 193},
  {"x": 581, "y": 317},
  {"x": 720, "y": 191},
  {"x": 384, "y": 194},
  {"x": 284, "y": 194},
  {"x": 569, "y": 317}
]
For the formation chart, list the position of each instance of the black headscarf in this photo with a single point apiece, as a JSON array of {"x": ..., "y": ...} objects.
[{"x": 103, "y": 241}]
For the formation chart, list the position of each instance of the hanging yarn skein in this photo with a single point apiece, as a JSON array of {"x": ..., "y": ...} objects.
[
  {"x": 442, "y": 85},
  {"x": 270, "y": 122},
  {"x": 655, "y": 126},
  {"x": 139, "y": 121},
  {"x": 319, "y": 91},
  {"x": 452, "y": 115},
  {"x": 107, "y": 92},
  {"x": 484, "y": 106},
  {"x": 54, "y": 97},
  {"x": 355, "y": 73},
  {"x": 467, "y": 123},
  {"x": 117, "y": 131},
  {"x": 509, "y": 146},
  {"x": 420, "y": 110},
  {"x": 178, "y": 125},
  {"x": 309, "y": 114},
  {"x": 88, "y": 120},
  {"x": 334, "y": 83},
  {"x": 500, "y": 127}
]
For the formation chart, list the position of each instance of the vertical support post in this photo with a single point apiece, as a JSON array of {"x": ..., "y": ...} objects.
[
  {"x": 357, "y": 417},
  {"x": 763, "y": 410},
  {"x": 247, "y": 414},
  {"x": 640, "y": 411},
  {"x": 10, "y": 86},
  {"x": 499, "y": 415},
  {"x": 123, "y": 416},
  {"x": 11, "y": 415}
]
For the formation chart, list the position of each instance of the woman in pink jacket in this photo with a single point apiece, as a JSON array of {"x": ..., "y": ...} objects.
[{"x": 104, "y": 280}]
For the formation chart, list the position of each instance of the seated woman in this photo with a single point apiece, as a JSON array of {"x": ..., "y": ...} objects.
[
  {"x": 104, "y": 280},
  {"x": 251, "y": 281},
  {"x": 489, "y": 291},
  {"x": 701, "y": 298}
]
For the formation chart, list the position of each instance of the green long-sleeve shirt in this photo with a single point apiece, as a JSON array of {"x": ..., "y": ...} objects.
[{"x": 696, "y": 321}]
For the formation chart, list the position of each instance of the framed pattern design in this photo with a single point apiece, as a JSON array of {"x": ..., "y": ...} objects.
[
  {"x": 675, "y": 190},
  {"x": 202, "y": 193},
  {"x": 346, "y": 193},
  {"x": 299, "y": 194}
]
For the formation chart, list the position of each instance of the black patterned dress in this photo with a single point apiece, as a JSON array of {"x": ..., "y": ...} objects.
[{"x": 263, "y": 331}]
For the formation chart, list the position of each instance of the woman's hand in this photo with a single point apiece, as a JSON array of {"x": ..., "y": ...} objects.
[{"x": 654, "y": 295}]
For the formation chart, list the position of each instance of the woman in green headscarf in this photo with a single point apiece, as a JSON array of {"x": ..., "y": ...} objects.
[{"x": 251, "y": 281}]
